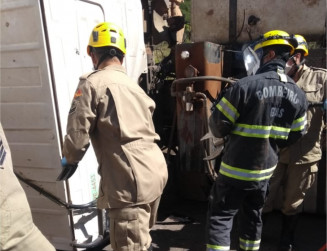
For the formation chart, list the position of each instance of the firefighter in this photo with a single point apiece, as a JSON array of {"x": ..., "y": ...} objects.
[
  {"x": 17, "y": 229},
  {"x": 297, "y": 168},
  {"x": 258, "y": 114},
  {"x": 115, "y": 114}
]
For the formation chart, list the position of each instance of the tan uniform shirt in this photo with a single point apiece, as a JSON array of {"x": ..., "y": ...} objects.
[
  {"x": 17, "y": 229},
  {"x": 313, "y": 81},
  {"x": 116, "y": 114}
]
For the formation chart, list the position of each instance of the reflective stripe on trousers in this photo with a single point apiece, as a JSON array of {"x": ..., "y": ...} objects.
[
  {"x": 217, "y": 248},
  {"x": 249, "y": 244},
  {"x": 225, "y": 202}
]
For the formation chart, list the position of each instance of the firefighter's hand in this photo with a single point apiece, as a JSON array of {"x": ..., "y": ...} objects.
[{"x": 67, "y": 170}]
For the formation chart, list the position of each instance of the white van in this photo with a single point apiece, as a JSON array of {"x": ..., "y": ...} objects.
[{"x": 43, "y": 54}]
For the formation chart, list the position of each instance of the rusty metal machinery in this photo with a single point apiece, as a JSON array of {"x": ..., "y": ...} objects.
[{"x": 198, "y": 82}]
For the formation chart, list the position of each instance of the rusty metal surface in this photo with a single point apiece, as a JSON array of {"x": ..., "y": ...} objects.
[
  {"x": 210, "y": 19},
  {"x": 192, "y": 109}
]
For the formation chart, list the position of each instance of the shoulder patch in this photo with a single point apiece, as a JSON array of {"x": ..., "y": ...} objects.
[
  {"x": 78, "y": 93},
  {"x": 73, "y": 107}
]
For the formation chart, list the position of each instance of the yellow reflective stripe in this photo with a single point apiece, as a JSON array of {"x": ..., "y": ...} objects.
[
  {"x": 245, "y": 174},
  {"x": 216, "y": 247},
  {"x": 249, "y": 244},
  {"x": 228, "y": 109},
  {"x": 299, "y": 124},
  {"x": 258, "y": 131}
]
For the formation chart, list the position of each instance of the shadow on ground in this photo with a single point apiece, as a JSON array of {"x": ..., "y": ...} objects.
[{"x": 181, "y": 226}]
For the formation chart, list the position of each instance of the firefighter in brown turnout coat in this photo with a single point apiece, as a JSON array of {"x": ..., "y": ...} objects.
[{"x": 115, "y": 113}]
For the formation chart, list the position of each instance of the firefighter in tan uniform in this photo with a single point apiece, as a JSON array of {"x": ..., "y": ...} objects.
[
  {"x": 298, "y": 164},
  {"x": 17, "y": 229},
  {"x": 114, "y": 112}
]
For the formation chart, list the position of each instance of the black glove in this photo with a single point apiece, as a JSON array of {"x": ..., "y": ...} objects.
[{"x": 67, "y": 170}]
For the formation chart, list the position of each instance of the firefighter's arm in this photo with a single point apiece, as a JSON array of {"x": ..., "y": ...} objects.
[
  {"x": 298, "y": 128},
  {"x": 219, "y": 127},
  {"x": 81, "y": 122},
  {"x": 224, "y": 113}
]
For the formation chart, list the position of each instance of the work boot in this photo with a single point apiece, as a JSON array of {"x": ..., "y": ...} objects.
[{"x": 288, "y": 232}]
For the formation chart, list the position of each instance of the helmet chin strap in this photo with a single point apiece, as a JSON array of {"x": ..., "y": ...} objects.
[
  {"x": 295, "y": 68},
  {"x": 302, "y": 62},
  {"x": 111, "y": 52},
  {"x": 101, "y": 59}
]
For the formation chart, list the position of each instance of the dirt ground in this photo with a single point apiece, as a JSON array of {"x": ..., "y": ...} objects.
[{"x": 181, "y": 227}]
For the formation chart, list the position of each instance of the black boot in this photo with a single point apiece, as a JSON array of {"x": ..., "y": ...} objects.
[{"x": 288, "y": 232}]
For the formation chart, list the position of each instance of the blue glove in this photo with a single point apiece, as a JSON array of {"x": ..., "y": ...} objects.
[
  {"x": 67, "y": 170},
  {"x": 324, "y": 106},
  {"x": 64, "y": 162}
]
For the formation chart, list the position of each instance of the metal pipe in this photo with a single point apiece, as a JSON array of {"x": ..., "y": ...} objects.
[
  {"x": 210, "y": 167},
  {"x": 203, "y": 78},
  {"x": 54, "y": 198},
  {"x": 195, "y": 79}
]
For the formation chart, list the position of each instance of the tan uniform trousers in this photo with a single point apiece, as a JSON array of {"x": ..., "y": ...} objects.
[
  {"x": 130, "y": 227},
  {"x": 293, "y": 180}
]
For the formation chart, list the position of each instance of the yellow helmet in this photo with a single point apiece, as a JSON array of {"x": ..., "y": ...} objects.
[
  {"x": 107, "y": 34},
  {"x": 275, "y": 37},
  {"x": 302, "y": 44}
]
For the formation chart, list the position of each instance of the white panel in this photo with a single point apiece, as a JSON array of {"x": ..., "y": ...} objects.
[
  {"x": 28, "y": 113},
  {"x": 88, "y": 16},
  {"x": 30, "y": 105},
  {"x": 68, "y": 38},
  {"x": 128, "y": 15}
]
